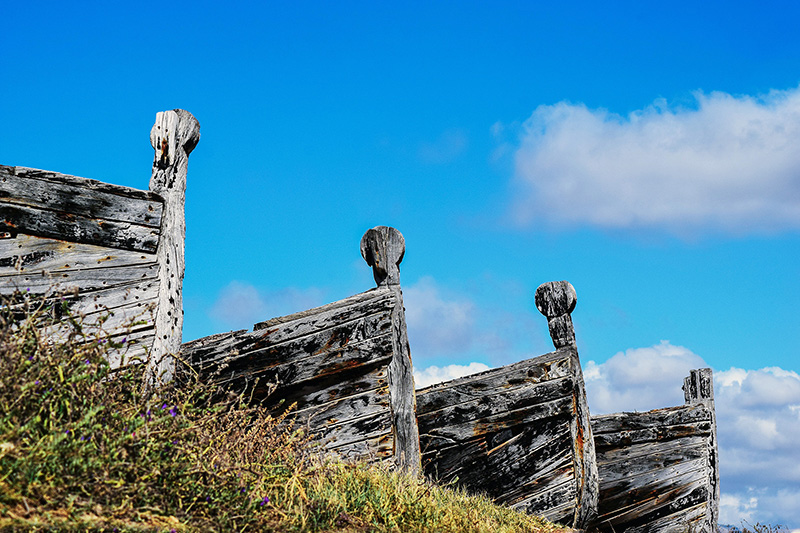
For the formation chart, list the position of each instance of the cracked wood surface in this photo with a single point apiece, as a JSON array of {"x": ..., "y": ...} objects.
[
  {"x": 517, "y": 433},
  {"x": 332, "y": 363},
  {"x": 658, "y": 469}
]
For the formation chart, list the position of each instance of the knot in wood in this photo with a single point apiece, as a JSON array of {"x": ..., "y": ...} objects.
[
  {"x": 556, "y": 298},
  {"x": 383, "y": 249}
]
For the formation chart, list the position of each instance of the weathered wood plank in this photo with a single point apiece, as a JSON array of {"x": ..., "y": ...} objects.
[
  {"x": 668, "y": 416},
  {"x": 494, "y": 414},
  {"x": 658, "y": 469},
  {"x": 20, "y": 188},
  {"x": 509, "y": 378},
  {"x": 85, "y": 183},
  {"x": 624, "y": 457},
  {"x": 77, "y": 228},
  {"x": 85, "y": 281},
  {"x": 521, "y": 433},
  {"x": 173, "y": 137},
  {"x": 28, "y": 253}
]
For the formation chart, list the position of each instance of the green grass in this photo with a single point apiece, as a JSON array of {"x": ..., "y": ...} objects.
[{"x": 82, "y": 448}]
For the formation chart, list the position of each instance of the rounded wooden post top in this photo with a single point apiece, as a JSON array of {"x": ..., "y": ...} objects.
[
  {"x": 556, "y": 298},
  {"x": 383, "y": 249},
  {"x": 173, "y": 130}
]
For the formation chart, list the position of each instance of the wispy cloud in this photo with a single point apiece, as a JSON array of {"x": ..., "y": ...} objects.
[
  {"x": 437, "y": 323},
  {"x": 758, "y": 423},
  {"x": 239, "y": 305},
  {"x": 728, "y": 164},
  {"x": 446, "y": 148}
]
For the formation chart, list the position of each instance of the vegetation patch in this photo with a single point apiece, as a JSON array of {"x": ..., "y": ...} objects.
[{"x": 84, "y": 448}]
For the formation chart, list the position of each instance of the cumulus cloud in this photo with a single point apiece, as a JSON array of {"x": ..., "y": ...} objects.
[
  {"x": 240, "y": 305},
  {"x": 728, "y": 164},
  {"x": 758, "y": 423},
  {"x": 639, "y": 379},
  {"x": 435, "y": 374}
]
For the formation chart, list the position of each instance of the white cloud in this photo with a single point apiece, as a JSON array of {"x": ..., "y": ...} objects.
[
  {"x": 434, "y": 374},
  {"x": 758, "y": 424},
  {"x": 240, "y": 305},
  {"x": 729, "y": 165},
  {"x": 639, "y": 379}
]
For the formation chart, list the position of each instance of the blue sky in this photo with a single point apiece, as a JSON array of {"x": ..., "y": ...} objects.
[{"x": 645, "y": 152}]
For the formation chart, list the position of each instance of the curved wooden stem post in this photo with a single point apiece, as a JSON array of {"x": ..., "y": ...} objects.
[
  {"x": 383, "y": 248},
  {"x": 173, "y": 137},
  {"x": 556, "y": 300}
]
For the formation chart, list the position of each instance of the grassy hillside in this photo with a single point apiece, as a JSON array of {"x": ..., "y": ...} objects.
[{"x": 82, "y": 448}]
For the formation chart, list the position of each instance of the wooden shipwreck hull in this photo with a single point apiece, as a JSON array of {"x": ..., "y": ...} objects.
[
  {"x": 345, "y": 366},
  {"x": 91, "y": 242},
  {"x": 521, "y": 433},
  {"x": 103, "y": 248},
  {"x": 659, "y": 469}
]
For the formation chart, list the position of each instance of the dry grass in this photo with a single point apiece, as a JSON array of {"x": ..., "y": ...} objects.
[{"x": 82, "y": 449}]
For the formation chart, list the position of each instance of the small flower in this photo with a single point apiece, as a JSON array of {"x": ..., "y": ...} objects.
[
  {"x": 208, "y": 498},
  {"x": 173, "y": 411},
  {"x": 86, "y": 362},
  {"x": 30, "y": 358},
  {"x": 265, "y": 501},
  {"x": 164, "y": 406},
  {"x": 36, "y": 382}
]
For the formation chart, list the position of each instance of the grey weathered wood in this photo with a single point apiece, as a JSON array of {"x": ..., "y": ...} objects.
[
  {"x": 102, "y": 249},
  {"x": 520, "y": 433},
  {"x": 69, "y": 208},
  {"x": 383, "y": 249},
  {"x": 330, "y": 362},
  {"x": 344, "y": 366},
  {"x": 556, "y": 300},
  {"x": 516, "y": 434},
  {"x": 173, "y": 137},
  {"x": 28, "y": 254},
  {"x": 658, "y": 469}
]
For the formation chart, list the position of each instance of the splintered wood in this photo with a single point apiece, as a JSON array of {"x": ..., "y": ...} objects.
[
  {"x": 519, "y": 433},
  {"x": 113, "y": 255}
]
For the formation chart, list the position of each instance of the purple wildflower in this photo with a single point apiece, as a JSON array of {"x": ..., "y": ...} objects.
[
  {"x": 173, "y": 411},
  {"x": 264, "y": 501}
]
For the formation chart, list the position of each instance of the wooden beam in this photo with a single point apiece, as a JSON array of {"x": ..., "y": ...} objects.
[
  {"x": 383, "y": 249},
  {"x": 173, "y": 137}
]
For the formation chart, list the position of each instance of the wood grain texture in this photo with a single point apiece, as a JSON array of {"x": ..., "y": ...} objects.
[
  {"x": 68, "y": 208},
  {"x": 331, "y": 363},
  {"x": 658, "y": 469},
  {"x": 173, "y": 137},
  {"x": 517, "y": 433}
]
